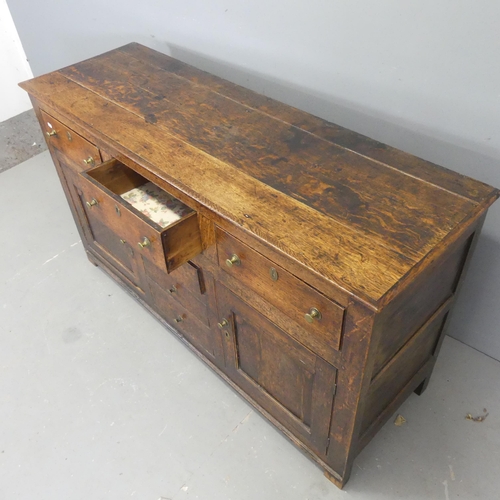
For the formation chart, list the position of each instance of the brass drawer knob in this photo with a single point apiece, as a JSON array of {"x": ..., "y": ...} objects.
[
  {"x": 233, "y": 261},
  {"x": 274, "y": 274},
  {"x": 223, "y": 323},
  {"x": 92, "y": 203},
  {"x": 178, "y": 319},
  {"x": 312, "y": 315},
  {"x": 172, "y": 290},
  {"x": 144, "y": 243},
  {"x": 89, "y": 161},
  {"x": 51, "y": 133}
]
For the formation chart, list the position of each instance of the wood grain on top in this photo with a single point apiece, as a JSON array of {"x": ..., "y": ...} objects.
[{"x": 358, "y": 212}]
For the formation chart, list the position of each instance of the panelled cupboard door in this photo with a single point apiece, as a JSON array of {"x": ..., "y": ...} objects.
[
  {"x": 282, "y": 376},
  {"x": 102, "y": 239}
]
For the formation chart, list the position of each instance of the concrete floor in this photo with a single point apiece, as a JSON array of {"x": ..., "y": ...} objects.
[
  {"x": 20, "y": 139},
  {"x": 99, "y": 401}
]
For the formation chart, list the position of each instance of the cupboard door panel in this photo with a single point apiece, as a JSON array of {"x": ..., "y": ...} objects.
[
  {"x": 287, "y": 380},
  {"x": 107, "y": 241}
]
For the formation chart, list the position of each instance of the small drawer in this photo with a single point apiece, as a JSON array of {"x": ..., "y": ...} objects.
[
  {"x": 185, "y": 285},
  {"x": 169, "y": 241},
  {"x": 189, "y": 276},
  {"x": 81, "y": 153},
  {"x": 183, "y": 321},
  {"x": 316, "y": 314}
]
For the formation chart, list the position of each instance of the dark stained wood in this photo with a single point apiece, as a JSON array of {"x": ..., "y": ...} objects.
[
  {"x": 127, "y": 224},
  {"x": 409, "y": 191},
  {"x": 293, "y": 384},
  {"x": 473, "y": 239},
  {"x": 412, "y": 385},
  {"x": 335, "y": 251},
  {"x": 96, "y": 233},
  {"x": 183, "y": 286},
  {"x": 117, "y": 177},
  {"x": 184, "y": 321},
  {"x": 73, "y": 146},
  {"x": 402, "y": 367},
  {"x": 413, "y": 307},
  {"x": 295, "y": 162},
  {"x": 365, "y": 146},
  {"x": 272, "y": 313},
  {"x": 96, "y": 260},
  {"x": 106, "y": 155},
  {"x": 376, "y": 239},
  {"x": 72, "y": 192},
  {"x": 353, "y": 381},
  {"x": 207, "y": 234},
  {"x": 182, "y": 241},
  {"x": 188, "y": 277},
  {"x": 287, "y": 293},
  {"x": 168, "y": 247}
]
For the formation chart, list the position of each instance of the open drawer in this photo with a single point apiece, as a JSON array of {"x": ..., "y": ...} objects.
[{"x": 159, "y": 226}]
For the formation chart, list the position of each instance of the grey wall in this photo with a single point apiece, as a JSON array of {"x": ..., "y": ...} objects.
[{"x": 422, "y": 76}]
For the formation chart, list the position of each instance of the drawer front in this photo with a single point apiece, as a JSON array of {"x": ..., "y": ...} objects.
[
  {"x": 97, "y": 235},
  {"x": 112, "y": 247},
  {"x": 131, "y": 228},
  {"x": 81, "y": 153},
  {"x": 168, "y": 248},
  {"x": 320, "y": 317},
  {"x": 183, "y": 285},
  {"x": 189, "y": 277},
  {"x": 199, "y": 335}
]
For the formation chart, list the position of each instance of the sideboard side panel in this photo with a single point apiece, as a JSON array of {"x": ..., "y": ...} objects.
[{"x": 411, "y": 330}]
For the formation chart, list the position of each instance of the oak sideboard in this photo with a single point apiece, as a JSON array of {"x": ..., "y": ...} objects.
[{"x": 312, "y": 268}]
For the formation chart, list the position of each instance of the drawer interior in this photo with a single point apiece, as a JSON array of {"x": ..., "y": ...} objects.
[
  {"x": 165, "y": 230},
  {"x": 139, "y": 193}
]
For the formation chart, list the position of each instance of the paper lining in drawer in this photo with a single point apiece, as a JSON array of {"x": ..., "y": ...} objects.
[{"x": 156, "y": 204}]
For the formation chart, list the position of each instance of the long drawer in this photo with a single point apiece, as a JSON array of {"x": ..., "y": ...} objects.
[
  {"x": 320, "y": 317},
  {"x": 81, "y": 153}
]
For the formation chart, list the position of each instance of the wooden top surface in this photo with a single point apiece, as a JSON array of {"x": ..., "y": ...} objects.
[{"x": 353, "y": 210}]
